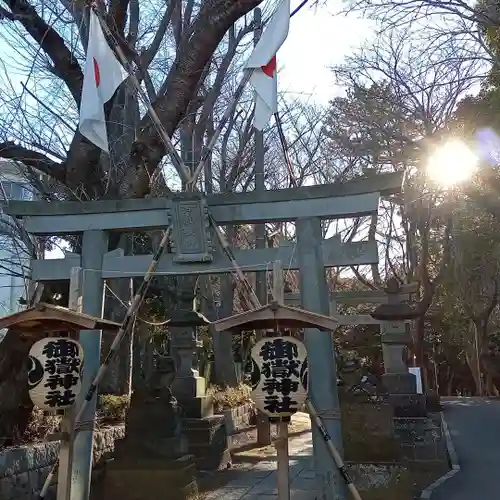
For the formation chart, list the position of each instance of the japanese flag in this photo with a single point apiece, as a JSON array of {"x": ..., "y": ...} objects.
[
  {"x": 262, "y": 64},
  {"x": 103, "y": 75}
]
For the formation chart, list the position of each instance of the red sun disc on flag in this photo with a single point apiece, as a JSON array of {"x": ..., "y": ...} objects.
[
  {"x": 97, "y": 73},
  {"x": 270, "y": 68}
]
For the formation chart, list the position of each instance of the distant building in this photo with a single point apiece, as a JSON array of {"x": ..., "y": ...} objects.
[{"x": 14, "y": 257}]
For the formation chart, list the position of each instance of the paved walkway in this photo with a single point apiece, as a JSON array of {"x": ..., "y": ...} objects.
[
  {"x": 474, "y": 426},
  {"x": 260, "y": 481}
]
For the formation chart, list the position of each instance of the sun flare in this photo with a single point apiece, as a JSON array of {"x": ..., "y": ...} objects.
[{"x": 451, "y": 164}]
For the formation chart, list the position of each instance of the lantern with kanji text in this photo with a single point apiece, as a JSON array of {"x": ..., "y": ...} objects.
[
  {"x": 279, "y": 376},
  {"x": 55, "y": 360},
  {"x": 54, "y": 376}
]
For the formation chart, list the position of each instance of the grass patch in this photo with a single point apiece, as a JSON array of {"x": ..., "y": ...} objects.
[
  {"x": 366, "y": 430},
  {"x": 230, "y": 397},
  {"x": 399, "y": 487},
  {"x": 112, "y": 409},
  {"x": 41, "y": 424}
]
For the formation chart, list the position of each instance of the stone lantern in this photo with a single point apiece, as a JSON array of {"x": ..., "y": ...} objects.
[{"x": 409, "y": 408}]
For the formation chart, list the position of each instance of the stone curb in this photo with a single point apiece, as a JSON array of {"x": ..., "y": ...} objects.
[
  {"x": 455, "y": 466},
  {"x": 238, "y": 418}
]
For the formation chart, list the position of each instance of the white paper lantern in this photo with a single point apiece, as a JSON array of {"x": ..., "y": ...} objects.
[
  {"x": 54, "y": 377},
  {"x": 279, "y": 376}
]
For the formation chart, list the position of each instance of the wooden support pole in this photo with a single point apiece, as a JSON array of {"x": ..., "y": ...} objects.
[
  {"x": 263, "y": 423},
  {"x": 283, "y": 469},
  {"x": 68, "y": 420},
  {"x": 282, "y": 427}
]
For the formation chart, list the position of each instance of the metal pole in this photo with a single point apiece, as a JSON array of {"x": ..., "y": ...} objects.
[
  {"x": 94, "y": 246},
  {"x": 282, "y": 441},
  {"x": 322, "y": 368},
  {"x": 68, "y": 420}
]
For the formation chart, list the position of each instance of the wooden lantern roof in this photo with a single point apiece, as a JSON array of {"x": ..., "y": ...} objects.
[
  {"x": 276, "y": 315},
  {"x": 43, "y": 319}
]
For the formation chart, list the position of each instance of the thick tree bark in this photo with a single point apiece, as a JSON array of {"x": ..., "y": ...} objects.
[
  {"x": 195, "y": 51},
  {"x": 65, "y": 65},
  {"x": 193, "y": 54},
  {"x": 15, "y": 403}
]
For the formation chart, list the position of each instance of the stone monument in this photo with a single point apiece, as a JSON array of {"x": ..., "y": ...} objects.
[
  {"x": 151, "y": 462},
  {"x": 204, "y": 431}
]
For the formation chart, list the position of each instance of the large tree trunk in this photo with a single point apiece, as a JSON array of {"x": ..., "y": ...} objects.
[
  {"x": 471, "y": 355},
  {"x": 449, "y": 382},
  {"x": 15, "y": 404}
]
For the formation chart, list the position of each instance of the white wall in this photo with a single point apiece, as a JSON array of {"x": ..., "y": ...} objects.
[{"x": 14, "y": 260}]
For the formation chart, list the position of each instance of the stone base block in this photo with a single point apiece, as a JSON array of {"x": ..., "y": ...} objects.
[
  {"x": 207, "y": 442},
  {"x": 187, "y": 388},
  {"x": 409, "y": 430},
  {"x": 166, "y": 448},
  {"x": 419, "y": 439},
  {"x": 137, "y": 478},
  {"x": 400, "y": 383},
  {"x": 200, "y": 407},
  {"x": 408, "y": 405}
]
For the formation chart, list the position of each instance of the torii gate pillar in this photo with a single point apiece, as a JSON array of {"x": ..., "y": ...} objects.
[{"x": 322, "y": 364}]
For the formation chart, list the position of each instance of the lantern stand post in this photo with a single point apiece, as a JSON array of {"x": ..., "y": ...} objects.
[
  {"x": 68, "y": 420},
  {"x": 282, "y": 426}
]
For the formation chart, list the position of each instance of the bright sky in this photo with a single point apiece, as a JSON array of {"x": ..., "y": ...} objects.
[{"x": 317, "y": 40}]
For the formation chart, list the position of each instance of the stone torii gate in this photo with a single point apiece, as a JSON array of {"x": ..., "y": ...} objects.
[{"x": 193, "y": 254}]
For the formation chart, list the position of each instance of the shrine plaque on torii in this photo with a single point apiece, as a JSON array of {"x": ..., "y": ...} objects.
[{"x": 191, "y": 237}]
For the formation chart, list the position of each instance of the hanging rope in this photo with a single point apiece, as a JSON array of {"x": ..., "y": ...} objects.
[
  {"x": 304, "y": 2},
  {"x": 284, "y": 145}
]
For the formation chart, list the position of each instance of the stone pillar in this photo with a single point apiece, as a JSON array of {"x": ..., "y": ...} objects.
[
  {"x": 94, "y": 246},
  {"x": 188, "y": 387},
  {"x": 395, "y": 338},
  {"x": 205, "y": 432},
  {"x": 322, "y": 364},
  {"x": 191, "y": 243}
]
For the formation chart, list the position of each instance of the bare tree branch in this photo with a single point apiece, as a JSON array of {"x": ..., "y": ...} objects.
[
  {"x": 10, "y": 150},
  {"x": 65, "y": 66}
]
